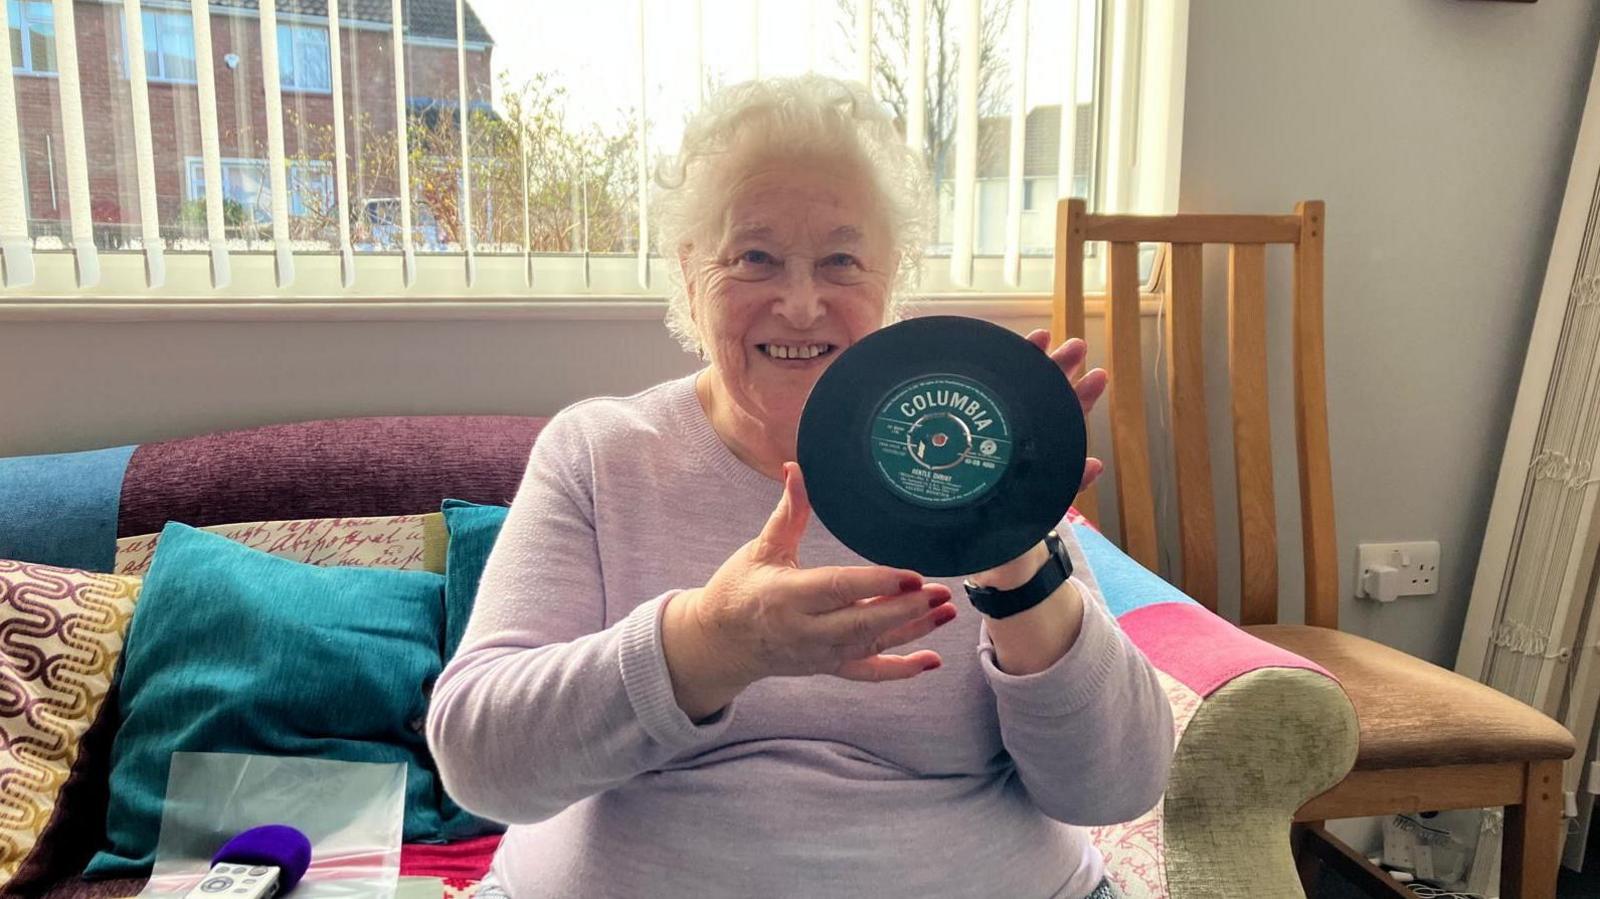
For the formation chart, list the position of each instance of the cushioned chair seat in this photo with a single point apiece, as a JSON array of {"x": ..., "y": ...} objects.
[{"x": 1393, "y": 691}]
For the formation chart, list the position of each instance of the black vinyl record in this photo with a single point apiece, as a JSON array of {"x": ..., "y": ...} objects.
[{"x": 947, "y": 445}]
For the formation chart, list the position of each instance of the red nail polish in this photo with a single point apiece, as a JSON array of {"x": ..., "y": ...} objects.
[
  {"x": 932, "y": 665},
  {"x": 945, "y": 619},
  {"x": 936, "y": 601}
]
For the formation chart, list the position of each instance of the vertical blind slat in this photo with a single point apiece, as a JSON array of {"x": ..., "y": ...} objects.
[
  {"x": 402, "y": 144},
  {"x": 77, "y": 155},
  {"x": 341, "y": 174},
  {"x": 700, "y": 51},
  {"x": 465, "y": 108},
  {"x": 966, "y": 147},
  {"x": 16, "y": 250},
  {"x": 276, "y": 175},
  {"x": 1019, "y": 134},
  {"x": 1067, "y": 153},
  {"x": 864, "y": 43},
  {"x": 811, "y": 35},
  {"x": 210, "y": 144},
  {"x": 144, "y": 155},
  {"x": 1162, "y": 57},
  {"x": 644, "y": 172},
  {"x": 527, "y": 236},
  {"x": 1122, "y": 104},
  {"x": 583, "y": 186},
  {"x": 916, "y": 113}
]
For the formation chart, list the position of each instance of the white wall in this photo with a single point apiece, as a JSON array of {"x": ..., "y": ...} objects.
[
  {"x": 73, "y": 386},
  {"x": 69, "y": 386},
  {"x": 1439, "y": 132}
]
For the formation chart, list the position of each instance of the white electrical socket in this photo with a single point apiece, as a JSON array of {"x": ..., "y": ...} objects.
[{"x": 1416, "y": 567}]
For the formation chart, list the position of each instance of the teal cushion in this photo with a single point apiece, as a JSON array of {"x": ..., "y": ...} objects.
[
  {"x": 233, "y": 650},
  {"x": 61, "y": 509},
  {"x": 472, "y": 528}
]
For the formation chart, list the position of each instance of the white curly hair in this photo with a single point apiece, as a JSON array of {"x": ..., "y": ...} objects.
[{"x": 808, "y": 116}]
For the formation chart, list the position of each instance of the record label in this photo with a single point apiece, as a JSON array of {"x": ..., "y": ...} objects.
[{"x": 941, "y": 440}]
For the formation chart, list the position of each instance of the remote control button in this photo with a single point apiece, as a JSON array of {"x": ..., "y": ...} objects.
[
  {"x": 257, "y": 872},
  {"x": 216, "y": 885}
]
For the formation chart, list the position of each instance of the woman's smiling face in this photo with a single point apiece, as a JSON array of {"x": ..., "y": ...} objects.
[{"x": 800, "y": 270}]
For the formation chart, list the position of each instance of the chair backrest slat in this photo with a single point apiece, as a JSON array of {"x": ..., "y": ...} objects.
[
  {"x": 1247, "y": 237},
  {"x": 1252, "y": 434},
  {"x": 1130, "y": 440},
  {"x": 1191, "y": 450},
  {"x": 1311, "y": 423},
  {"x": 1066, "y": 313}
]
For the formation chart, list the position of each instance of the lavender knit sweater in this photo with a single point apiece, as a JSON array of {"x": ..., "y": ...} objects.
[{"x": 557, "y": 715}]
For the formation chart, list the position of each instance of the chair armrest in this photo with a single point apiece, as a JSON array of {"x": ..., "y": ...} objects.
[
  {"x": 1259, "y": 732},
  {"x": 1254, "y": 752}
]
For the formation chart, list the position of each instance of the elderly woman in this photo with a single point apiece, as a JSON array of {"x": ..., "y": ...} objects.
[{"x": 675, "y": 683}]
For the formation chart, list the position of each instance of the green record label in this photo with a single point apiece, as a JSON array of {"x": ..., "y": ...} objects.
[{"x": 941, "y": 440}]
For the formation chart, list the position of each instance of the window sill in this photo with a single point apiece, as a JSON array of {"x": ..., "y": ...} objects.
[
  {"x": 561, "y": 290},
  {"x": 503, "y": 309}
]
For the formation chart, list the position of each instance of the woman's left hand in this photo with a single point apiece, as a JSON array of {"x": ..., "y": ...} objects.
[{"x": 1089, "y": 386}]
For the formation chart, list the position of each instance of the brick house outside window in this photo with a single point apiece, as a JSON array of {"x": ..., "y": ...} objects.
[{"x": 306, "y": 79}]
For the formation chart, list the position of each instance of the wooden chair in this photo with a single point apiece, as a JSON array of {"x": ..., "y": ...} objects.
[{"x": 1429, "y": 738}]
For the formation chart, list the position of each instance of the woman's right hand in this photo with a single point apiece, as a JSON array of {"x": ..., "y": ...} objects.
[{"x": 762, "y": 615}]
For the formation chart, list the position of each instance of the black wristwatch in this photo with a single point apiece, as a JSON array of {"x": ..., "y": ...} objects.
[{"x": 1003, "y": 603}]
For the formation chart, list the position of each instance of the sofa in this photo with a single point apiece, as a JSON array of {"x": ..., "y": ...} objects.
[{"x": 1258, "y": 730}]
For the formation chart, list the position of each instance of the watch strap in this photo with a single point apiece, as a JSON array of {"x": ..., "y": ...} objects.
[{"x": 1052, "y": 574}]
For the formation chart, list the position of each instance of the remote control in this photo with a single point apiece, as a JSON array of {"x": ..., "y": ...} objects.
[{"x": 237, "y": 882}]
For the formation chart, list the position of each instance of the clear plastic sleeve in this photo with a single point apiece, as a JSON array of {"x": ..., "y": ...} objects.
[{"x": 353, "y": 813}]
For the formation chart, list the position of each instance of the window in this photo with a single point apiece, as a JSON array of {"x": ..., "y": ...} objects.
[
  {"x": 247, "y": 190},
  {"x": 168, "y": 46},
  {"x": 33, "y": 36},
  {"x": 303, "y": 61},
  {"x": 547, "y": 188}
]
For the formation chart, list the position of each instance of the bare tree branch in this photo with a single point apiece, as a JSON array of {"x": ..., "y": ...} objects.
[
  {"x": 575, "y": 178},
  {"x": 892, "y": 63}
]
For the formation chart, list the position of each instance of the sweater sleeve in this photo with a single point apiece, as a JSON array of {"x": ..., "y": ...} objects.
[
  {"x": 1091, "y": 736},
  {"x": 541, "y": 706}
]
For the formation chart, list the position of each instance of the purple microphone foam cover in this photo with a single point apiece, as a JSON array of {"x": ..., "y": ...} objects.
[{"x": 273, "y": 844}]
